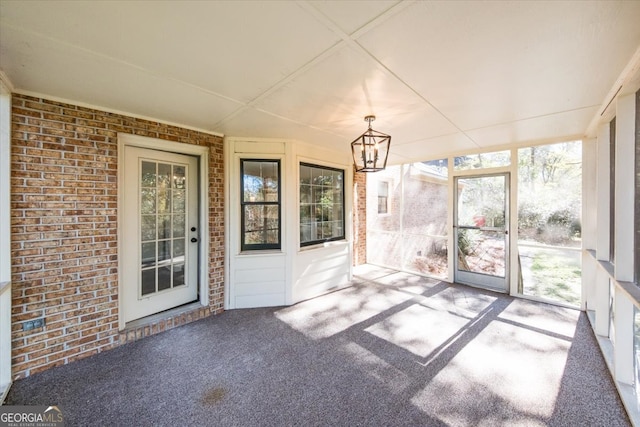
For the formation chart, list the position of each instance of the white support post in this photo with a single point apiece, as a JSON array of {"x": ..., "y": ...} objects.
[
  {"x": 623, "y": 329},
  {"x": 602, "y": 303},
  {"x": 5, "y": 242},
  {"x": 602, "y": 193},
  {"x": 589, "y": 218},
  {"x": 625, "y": 187}
]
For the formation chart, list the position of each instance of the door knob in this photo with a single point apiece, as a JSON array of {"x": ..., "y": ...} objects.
[{"x": 193, "y": 240}]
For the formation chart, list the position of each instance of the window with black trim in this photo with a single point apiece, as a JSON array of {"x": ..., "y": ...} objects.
[
  {"x": 260, "y": 204},
  {"x": 383, "y": 197},
  {"x": 321, "y": 204}
]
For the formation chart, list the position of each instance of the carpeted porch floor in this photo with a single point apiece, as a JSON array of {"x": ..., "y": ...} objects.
[{"x": 392, "y": 350}]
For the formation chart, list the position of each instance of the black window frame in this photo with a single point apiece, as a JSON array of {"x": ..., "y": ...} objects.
[
  {"x": 334, "y": 238},
  {"x": 243, "y": 203}
]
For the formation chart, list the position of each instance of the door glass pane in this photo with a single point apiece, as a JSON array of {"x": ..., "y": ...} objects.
[
  {"x": 179, "y": 178},
  {"x": 164, "y": 175},
  {"x": 148, "y": 201},
  {"x": 164, "y": 201},
  {"x": 164, "y": 250},
  {"x": 164, "y": 277},
  {"x": 481, "y": 201},
  {"x": 178, "y": 275},
  {"x": 481, "y": 233},
  {"x": 178, "y": 201},
  {"x": 164, "y": 226},
  {"x": 178, "y": 249},
  {"x": 148, "y": 254},
  {"x": 481, "y": 252},
  {"x": 148, "y": 281},
  {"x": 148, "y": 227},
  {"x": 178, "y": 226},
  {"x": 148, "y": 175}
]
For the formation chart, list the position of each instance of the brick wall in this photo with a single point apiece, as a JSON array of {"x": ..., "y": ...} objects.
[
  {"x": 359, "y": 218},
  {"x": 64, "y": 227}
]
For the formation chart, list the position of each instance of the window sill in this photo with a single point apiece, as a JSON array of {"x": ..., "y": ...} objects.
[
  {"x": 630, "y": 289},
  {"x": 262, "y": 252},
  {"x": 335, "y": 243}
]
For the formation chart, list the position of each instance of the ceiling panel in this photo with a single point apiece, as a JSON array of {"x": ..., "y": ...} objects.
[
  {"x": 567, "y": 125},
  {"x": 237, "y": 49},
  {"x": 434, "y": 148},
  {"x": 440, "y": 76},
  {"x": 113, "y": 85},
  {"x": 483, "y": 63},
  {"x": 253, "y": 123},
  {"x": 351, "y": 15},
  {"x": 338, "y": 92}
]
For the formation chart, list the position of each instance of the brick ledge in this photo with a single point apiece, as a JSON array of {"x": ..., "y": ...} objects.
[{"x": 164, "y": 321}]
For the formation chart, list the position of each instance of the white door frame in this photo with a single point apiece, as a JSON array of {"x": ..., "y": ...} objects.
[
  {"x": 203, "y": 212},
  {"x": 469, "y": 278}
]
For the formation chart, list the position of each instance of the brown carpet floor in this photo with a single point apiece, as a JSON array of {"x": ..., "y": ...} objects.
[{"x": 391, "y": 350}]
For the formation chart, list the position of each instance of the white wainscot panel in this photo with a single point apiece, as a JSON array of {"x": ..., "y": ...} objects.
[
  {"x": 259, "y": 281},
  {"x": 320, "y": 270}
]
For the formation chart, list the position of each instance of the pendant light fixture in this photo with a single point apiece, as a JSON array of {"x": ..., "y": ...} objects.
[{"x": 371, "y": 149}]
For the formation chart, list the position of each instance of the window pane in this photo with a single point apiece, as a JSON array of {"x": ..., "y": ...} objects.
[
  {"x": 483, "y": 160},
  {"x": 321, "y": 204},
  {"x": 261, "y": 204},
  {"x": 413, "y": 236},
  {"x": 260, "y": 180},
  {"x": 549, "y": 228},
  {"x": 259, "y": 220}
]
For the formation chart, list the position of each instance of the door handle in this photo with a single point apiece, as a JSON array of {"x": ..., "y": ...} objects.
[{"x": 194, "y": 240}]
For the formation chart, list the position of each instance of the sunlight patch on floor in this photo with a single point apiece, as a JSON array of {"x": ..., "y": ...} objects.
[
  {"x": 418, "y": 329},
  {"x": 514, "y": 365},
  {"x": 334, "y": 313}
]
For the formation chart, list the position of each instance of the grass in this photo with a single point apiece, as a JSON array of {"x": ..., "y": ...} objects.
[{"x": 557, "y": 277}]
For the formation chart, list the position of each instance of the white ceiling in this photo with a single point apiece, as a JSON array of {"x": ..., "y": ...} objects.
[{"x": 441, "y": 77}]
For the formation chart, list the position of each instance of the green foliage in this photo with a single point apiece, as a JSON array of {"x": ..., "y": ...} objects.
[{"x": 549, "y": 193}]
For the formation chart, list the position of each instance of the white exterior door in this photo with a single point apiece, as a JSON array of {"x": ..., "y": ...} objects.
[
  {"x": 160, "y": 231},
  {"x": 481, "y": 225}
]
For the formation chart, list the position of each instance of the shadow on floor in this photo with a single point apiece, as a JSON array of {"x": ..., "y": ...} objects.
[{"x": 393, "y": 349}]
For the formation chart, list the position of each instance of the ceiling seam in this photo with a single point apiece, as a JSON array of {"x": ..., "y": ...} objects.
[
  {"x": 122, "y": 62},
  {"x": 533, "y": 117},
  {"x": 350, "y": 41},
  {"x": 281, "y": 83}
]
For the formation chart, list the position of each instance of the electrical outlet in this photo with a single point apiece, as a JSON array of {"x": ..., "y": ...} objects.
[{"x": 33, "y": 324}]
